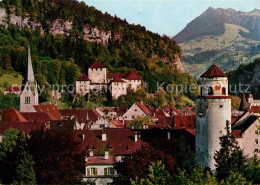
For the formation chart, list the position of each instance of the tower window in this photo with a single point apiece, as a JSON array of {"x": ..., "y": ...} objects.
[
  {"x": 223, "y": 91},
  {"x": 256, "y": 141},
  {"x": 210, "y": 91}
]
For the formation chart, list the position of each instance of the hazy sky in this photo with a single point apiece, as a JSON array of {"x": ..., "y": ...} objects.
[{"x": 166, "y": 16}]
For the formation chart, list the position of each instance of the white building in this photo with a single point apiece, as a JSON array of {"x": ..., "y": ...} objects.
[
  {"x": 247, "y": 133},
  {"x": 100, "y": 169},
  {"x": 137, "y": 109},
  {"x": 213, "y": 110},
  {"x": 83, "y": 85},
  {"x": 118, "y": 87},
  {"x": 29, "y": 96},
  {"x": 116, "y": 83}
]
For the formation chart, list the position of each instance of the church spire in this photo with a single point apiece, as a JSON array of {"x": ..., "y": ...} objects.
[{"x": 30, "y": 74}]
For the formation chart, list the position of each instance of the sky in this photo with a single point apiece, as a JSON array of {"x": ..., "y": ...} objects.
[{"x": 167, "y": 17}]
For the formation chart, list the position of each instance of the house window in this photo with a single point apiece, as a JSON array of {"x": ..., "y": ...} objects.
[
  {"x": 108, "y": 171},
  {"x": 223, "y": 91},
  {"x": 102, "y": 126},
  {"x": 92, "y": 171},
  {"x": 133, "y": 117},
  {"x": 256, "y": 132},
  {"x": 210, "y": 91},
  {"x": 256, "y": 150},
  {"x": 256, "y": 141}
]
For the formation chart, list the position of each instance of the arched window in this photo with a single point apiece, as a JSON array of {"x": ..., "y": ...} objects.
[
  {"x": 201, "y": 89},
  {"x": 210, "y": 91},
  {"x": 223, "y": 91}
]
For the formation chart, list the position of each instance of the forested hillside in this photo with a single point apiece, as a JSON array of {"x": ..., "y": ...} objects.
[
  {"x": 247, "y": 75},
  {"x": 67, "y": 36}
]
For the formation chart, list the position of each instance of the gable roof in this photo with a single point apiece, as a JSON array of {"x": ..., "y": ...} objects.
[
  {"x": 117, "y": 79},
  {"x": 214, "y": 71},
  {"x": 50, "y": 109},
  {"x": 83, "y": 77},
  {"x": 244, "y": 122},
  {"x": 12, "y": 115},
  {"x": 26, "y": 127},
  {"x": 42, "y": 117},
  {"x": 13, "y": 89},
  {"x": 145, "y": 109},
  {"x": 113, "y": 75},
  {"x": 120, "y": 141},
  {"x": 133, "y": 76},
  {"x": 81, "y": 114},
  {"x": 97, "y": 64}
]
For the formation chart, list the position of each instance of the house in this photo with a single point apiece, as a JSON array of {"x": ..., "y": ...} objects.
[
  {"x": 252, "y": 101},
  {"x": 100, "y": 169},
  {"x": 247, "y": 133},
  {"x": 105, "y": 147},
  {"x": 13, "y": 90},
  {"x": 12, "y": 116},
  {"x": 85, "y": 119},
  {"x": 137, "y": 109}
]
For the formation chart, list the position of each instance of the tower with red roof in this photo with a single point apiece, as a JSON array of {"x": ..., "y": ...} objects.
[
  {"x": 213, "y": 110},
  {"x": 97, "y": 73},
  {"x": 82, "y": 85}
]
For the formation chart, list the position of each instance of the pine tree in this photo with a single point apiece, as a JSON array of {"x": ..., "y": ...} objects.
[{"x": 230, "y": 158}]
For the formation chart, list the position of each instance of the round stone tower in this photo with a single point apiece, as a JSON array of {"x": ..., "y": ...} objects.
[{"x": 213, "y": 110}]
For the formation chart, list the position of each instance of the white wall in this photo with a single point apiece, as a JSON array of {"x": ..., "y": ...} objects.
[
  {"x": 97, "y": 75},
  {"x": 134, "y": 84},
  {"x": 82, "y": 87},
  {"x": 133, "y": 112},
  {"x": 118, "y": 89}
]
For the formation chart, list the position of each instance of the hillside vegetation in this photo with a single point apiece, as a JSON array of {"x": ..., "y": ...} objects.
[
  {"x": 66, "y": 36},
  {"x": 248, "y": 75}
]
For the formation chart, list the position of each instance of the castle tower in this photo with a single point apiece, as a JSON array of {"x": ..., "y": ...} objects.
[
  {"x": 29, "y": 96},
  {"x": 213, "y": 109}
]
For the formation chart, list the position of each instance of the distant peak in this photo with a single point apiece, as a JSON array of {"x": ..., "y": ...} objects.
[{"x": 255, "y": 10}]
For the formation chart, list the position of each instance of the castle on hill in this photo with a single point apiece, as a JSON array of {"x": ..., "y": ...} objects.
[{"x": 116, "y": 83}]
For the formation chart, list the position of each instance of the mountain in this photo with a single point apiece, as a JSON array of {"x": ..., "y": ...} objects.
[
  {"x": 67, "y": 36},
  {"x": 223, "y": 36}
]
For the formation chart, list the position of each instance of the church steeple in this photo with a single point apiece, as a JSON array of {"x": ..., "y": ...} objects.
[{"x": 30, "y": 74}]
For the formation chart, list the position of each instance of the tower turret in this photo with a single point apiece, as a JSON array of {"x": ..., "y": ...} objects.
[{"x": 213, "y": 110}]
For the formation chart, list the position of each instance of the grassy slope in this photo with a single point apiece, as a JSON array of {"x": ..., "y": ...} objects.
[{"x": 9, "y": 79}]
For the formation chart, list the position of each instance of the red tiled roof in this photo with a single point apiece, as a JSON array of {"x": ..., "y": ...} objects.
[
  {"x": 254, "y": 109},
  {"x": 187, "y": 122},
  {"x": 81, "y": 114},
  {"x": 27, "y": 127},
  {"x": 145, "y": 109},
  {"x": 214, "y": 71},
  {"x": 113, "y": 75},
  {"x": 50, "y": 109},
  {"x": 133, "y": 76},
  {"x": 116, "y": 79},
  {"x": 97, "y": 64},
  {"x": 12, "y": 115},
  {"x": 237, "y": 133},
  {"x": 83, "y": 77},
  {"x": 13, "y": 89},
  {"x": 119, "y": 141},
  {"x": 100, "y": 160},
  {"x": 42, "y": 117}
]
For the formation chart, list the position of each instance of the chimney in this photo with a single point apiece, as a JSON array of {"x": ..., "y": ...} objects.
[
  {"x": 169, "y": 135},
  {"x": 136, "y": 136},
  {"x": 106, "y": 154},
  {"x": 104, "y": 136},
  {"x": 91, "y": 153},
  {"x": 83, "y": 136}
]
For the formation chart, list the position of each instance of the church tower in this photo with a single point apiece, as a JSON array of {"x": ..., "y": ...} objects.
[
  {"x": 213, "y": 110},
  {"x": 29, "y": 96}
]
